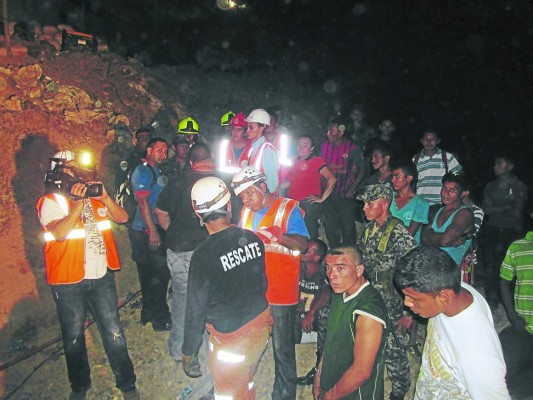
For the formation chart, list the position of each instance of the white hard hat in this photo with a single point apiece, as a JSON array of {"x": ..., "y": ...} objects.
[
  {"x": 209, "y": 194},
  {"x": 64, "y": 156},
  {"x": 260, "y": 116},
  {"x": 245, "y": 178}
]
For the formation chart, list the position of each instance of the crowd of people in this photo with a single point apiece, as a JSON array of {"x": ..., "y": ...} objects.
[{"x": 265, "y": 236}]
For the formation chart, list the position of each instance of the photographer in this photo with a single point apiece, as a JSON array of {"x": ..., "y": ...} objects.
[{"x": 80, "y": 257}]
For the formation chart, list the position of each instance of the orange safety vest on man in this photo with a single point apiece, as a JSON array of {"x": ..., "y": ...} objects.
[
  {"x": 65, "y": 261},
  {"x": 282, "y": 266}
]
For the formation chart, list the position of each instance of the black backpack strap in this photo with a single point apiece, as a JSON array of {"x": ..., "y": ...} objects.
[{"x": 445, "y": 160}]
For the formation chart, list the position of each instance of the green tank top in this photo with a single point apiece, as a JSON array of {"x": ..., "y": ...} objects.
[{"x": 340, "y": 339}]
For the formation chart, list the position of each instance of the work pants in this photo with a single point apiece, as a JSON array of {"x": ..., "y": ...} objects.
[
  {"x": 234, "y": 357},
  {"x": 284, "y": 352}
]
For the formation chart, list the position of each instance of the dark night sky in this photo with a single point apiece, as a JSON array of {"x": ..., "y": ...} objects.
[{"x": 462, "y": 67}]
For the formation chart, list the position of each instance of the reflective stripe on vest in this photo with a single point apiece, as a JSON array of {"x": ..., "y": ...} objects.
[
  {"x": 278, "y": 219},
  {"x": 223, "y": 162},
  {"x": 284, "y": 150},
  {"x": 259, "y": 156},
  {"x": 78, "y": 233}
]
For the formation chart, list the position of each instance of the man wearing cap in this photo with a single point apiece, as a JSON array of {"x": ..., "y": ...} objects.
[
  {"x": 383, "y": 242},
  {"x": 262, "y": 155},
  {"x": 180, "y": 162},
  {"x": 226, "y": 294},
  {"x": 279, "y": 223},
  {"x": 183, "y": 234}
]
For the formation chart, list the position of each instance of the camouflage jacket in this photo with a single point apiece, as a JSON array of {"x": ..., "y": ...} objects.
[{"x": 379, "y": 254}]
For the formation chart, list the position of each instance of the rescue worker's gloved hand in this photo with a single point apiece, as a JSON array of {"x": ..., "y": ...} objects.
[
  {"x": 191, "y": 366},
  {"x": 271, "y": 234}
]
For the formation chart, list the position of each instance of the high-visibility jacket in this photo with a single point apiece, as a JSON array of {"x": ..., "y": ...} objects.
[
  {"x": 226, "y": 159},
  {"x": 282, "y": 266},
  {"x": 256, "y": 159},
  {"x": 65, "y": 261}
]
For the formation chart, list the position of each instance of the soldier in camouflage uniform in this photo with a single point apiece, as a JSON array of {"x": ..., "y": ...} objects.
[
  {"x": 179, "y": 163},
  {"x": 384, "y": 241}
]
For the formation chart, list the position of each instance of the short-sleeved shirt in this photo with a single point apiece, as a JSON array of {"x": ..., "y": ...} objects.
[
  {"x": 519, "y": 262},
  {"x": 227, "y": 284},
  {"x": 345, "y": 160},
  {"x": 305, "y": 177},
  {"x": 462, "y": 356},
  {"x": 310, "y": 288},
  {"x": 184, "y": 232},
  {"x": 142, "y": 180},
  {"x": 415, "y": 210},
  {"x": 431, "y": 170}
]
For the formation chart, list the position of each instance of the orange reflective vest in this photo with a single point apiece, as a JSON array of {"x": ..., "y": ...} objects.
[
  {"x": 226, "y": 158},
  {"x": 65, "y": 261},
  {"x": 282, "y": 265}
]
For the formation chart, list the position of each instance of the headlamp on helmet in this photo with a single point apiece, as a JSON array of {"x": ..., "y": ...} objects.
[
  {"x": 246, "y": 177},
  {"x": 209, "y": 194}
]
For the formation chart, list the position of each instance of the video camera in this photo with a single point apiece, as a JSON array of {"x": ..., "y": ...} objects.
[{"x": 58, "y": 180}]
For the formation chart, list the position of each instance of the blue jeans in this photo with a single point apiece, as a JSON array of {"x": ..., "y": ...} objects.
[
  {"x": 99, "y": 296},
  {"x": 283, "y": 345},
  {"x": 178, "y": 264}
]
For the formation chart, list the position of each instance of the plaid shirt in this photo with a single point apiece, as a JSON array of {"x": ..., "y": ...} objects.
[{"x": 345, "y": 160}]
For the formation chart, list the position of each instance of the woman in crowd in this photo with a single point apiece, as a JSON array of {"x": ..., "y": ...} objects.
[{"x": 303, "y": 182}]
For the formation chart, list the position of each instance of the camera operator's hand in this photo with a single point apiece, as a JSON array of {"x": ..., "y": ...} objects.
[
  {"x": 115, "y": 212},
  {"x": 78, "y": 191}
]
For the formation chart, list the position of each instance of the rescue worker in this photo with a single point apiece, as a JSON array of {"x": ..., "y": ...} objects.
[
  {"x": 190, "y": 129},
  {"x": 225, "y": 123},
  {"x": 232, "y": 156},
  {"x": 81, "y": 257},
  {"x": 231, "y": 152},
  {"x": 226, "y": 293},
  {"x": 262, "y": 155},
  {"x": 279, "y": 223},
  {"x": 282, "y": 141}
]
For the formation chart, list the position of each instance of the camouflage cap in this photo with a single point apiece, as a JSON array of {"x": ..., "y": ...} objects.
[{"x": 375, "y": 192}]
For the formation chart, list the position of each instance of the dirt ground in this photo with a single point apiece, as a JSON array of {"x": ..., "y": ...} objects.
[{"x": 75, "y": 100}]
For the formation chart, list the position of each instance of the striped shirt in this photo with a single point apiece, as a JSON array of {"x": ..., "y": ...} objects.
[
  {"x": 345, "y": 160},
  {"x": 519, "y": 262},
  {"x": 430, "y": 173}
]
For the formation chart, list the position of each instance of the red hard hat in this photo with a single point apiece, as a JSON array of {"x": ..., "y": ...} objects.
[{"x": 238, "y": 120}]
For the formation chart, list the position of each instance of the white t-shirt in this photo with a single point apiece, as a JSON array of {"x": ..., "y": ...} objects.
[
  {"x": 95, "y": 258},
  {"x": 463, "y": 356}
]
